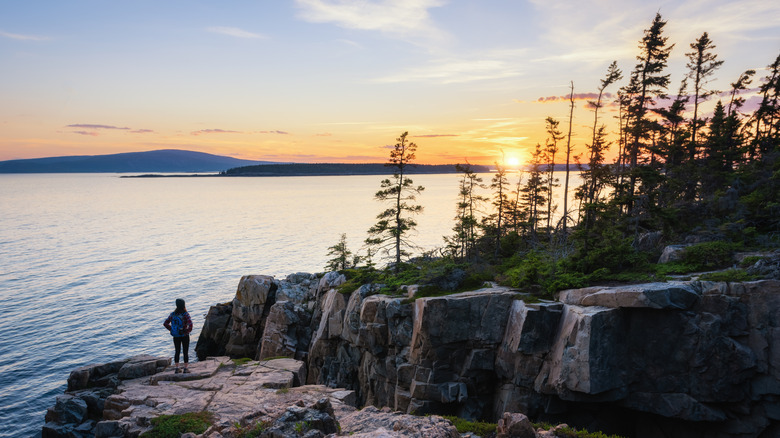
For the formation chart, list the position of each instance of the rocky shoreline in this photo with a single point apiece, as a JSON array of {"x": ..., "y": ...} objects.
[{"x": 678, "y": 359}]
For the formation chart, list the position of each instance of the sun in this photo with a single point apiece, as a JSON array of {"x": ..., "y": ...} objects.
[{"x": 512, "y": 161}]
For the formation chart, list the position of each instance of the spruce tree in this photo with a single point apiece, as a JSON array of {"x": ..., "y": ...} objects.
[{"x": 390, "y": 233}]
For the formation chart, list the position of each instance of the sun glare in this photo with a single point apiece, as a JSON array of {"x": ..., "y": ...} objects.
[{"x": 512, "y": 161}]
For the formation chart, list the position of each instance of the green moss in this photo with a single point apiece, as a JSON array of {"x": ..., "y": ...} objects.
[
  {"x": 477, "y": 427},
  {"x": 750, "y": 261},
  {"x": 172, "y": 426},
  {"x": 729, "y": 275},
  {"x": 241, "y": 361},
  {"x": 277, "y": 357},
  {"x": 570, "y": 432},
  {"x": 253, "y": 430}
]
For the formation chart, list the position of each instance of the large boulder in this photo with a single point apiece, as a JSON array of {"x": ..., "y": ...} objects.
[
  {"x": 254, "y": 298},
  {"x": 215, "y": 334},
  {"x": 287, "y": 332}
]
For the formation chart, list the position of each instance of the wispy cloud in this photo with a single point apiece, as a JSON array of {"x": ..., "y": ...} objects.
[
  {"x": 323, "y": 134},
  {"x": 274, "y": 132},
  {"x": 497, "y": 64},
  {"x": 235, "y": 32},
  {"x": 405, "y": 19},
  {"x": 90, "y": 133},
  {"x": 17, "y": 36},
  {"x": 577, "y": 96},
  {"x": 93, "y": 126},
  {"x": 435, "y": 135},
  {"x": 214, "y": 131},
  {"x": 142, "y": 131}
]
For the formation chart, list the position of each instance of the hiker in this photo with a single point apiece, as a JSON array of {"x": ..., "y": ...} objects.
[{"x": 180, "y": 326}]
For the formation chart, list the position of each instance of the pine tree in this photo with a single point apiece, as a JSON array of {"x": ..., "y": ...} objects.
[
  {"x": 499, "y": 184},
  {"x": 702, "y": 64},
  {"x": 647, "y": 83},
  {"x": 395, "y": 223},
  {"x": 554, "y": 135},
  {"x": 342, "y": 256},
  {"x": 464, "y": 241}
]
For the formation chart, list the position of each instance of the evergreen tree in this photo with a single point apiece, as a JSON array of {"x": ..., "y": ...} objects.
[
  {"x": 702, "y": 63},
  {"x": 464, "y": 242},
  {"x": 554, "y": 135},
  {"x": 342, "y": 256},
  {"x": 390, "y": 233},
  {"x": 647, "y": 83},
  {"x": 534, "y": 194},
  {"x": 499, "y": 184}
]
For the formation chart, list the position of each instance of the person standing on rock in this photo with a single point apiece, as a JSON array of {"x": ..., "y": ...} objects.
[{"x": 180, "y": 326}]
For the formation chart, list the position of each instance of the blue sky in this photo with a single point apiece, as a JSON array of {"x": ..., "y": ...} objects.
[{"x": 330, "y": 80}]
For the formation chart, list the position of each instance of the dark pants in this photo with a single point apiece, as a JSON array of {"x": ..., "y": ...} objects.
[{"x": 178, "y": 342}]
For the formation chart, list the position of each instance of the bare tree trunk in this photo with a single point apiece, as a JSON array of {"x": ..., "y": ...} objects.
[{"x": 568, "y": 156}]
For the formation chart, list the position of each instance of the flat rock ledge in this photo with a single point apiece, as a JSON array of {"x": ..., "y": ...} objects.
[{"x": 239, "y": 395}]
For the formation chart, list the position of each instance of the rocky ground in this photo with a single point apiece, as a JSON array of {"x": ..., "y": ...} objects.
[{"x": 239, "y": 395}]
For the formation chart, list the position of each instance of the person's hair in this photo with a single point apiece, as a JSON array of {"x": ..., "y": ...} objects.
[{"x": 180, "y": 307}]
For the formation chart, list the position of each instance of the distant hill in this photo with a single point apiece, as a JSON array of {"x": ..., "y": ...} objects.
[
  {"x": 166, "y": 160},
  {"x": 303, "y": 169}
]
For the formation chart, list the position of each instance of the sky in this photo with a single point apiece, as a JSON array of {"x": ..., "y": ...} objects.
[{"x": 336, "y": 80}]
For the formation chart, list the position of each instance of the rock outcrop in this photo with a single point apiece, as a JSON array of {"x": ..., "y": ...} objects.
[
  {"x": 239, "y": 396},
  {"x": 665, "y": 357},
  {"x": 678, "y": 359}
]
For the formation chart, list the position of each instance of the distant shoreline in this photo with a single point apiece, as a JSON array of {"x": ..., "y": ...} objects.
[{"x": 322, "y": 169}]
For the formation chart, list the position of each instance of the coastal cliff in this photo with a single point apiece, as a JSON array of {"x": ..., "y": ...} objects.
[
  {"x": 671, "y": 359},
  {"x": 677, "y": 359}
]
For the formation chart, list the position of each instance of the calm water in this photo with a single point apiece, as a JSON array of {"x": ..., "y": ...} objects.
[{"x": 90, "y": 264}]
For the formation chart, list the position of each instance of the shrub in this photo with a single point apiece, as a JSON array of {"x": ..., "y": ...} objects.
[
  {"x": 729, "y": 275},
  {"x": 708, "y": 255},
  {"x": 172, "y": 426}
]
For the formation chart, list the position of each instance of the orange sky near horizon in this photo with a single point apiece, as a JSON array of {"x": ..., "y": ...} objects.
[{"x": 338, "y": 80}]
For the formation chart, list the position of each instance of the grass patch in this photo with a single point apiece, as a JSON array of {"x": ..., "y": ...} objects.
[
  {"x": 729, "y": 276},
  {"x": 241, "y": 361},
  {"x": 277, "y": 357},
  {"x": 283, "y": 390},
  {"x": 477, "y": 427},
  {"x": 570, "y": 432},
  {"x": 172, "y": 426},
  {"x": 750, "y": 261},
  {"x": 252, "y": 430}
]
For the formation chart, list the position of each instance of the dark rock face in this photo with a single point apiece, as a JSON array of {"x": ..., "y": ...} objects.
[
  {"x": 215, "y": 333},
  {"x": 683, "y": 359}
]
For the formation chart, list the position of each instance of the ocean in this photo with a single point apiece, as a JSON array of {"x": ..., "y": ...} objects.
[{"x": 90, "y": 264}]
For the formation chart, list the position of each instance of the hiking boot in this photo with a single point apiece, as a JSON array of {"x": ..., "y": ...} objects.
[
  {"x": 186, "y": 371},
  {"x": 177, "y": 371}
]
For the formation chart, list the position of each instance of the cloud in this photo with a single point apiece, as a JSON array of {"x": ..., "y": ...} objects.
[
  {"x": 214, "y": 131},
  {"x": 90, "y": 133},
  {"x": 405, "y": 19},
  {"x": 92, "y": 126},
  {"x": 324, "y": 134},
  {"x": 274, "y": 132},
  {"x": 235, "y": 32},
  {"x": 142, "y": 131},
  {"x": 577, "y": 96},
  {"x": 435, "y": 135},
  {"x": 16, "y": 36},
  {"x": 497, "y": 64}
]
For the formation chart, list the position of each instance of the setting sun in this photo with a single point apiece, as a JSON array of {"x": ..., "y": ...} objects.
[{"x": 512, "y": 161}]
